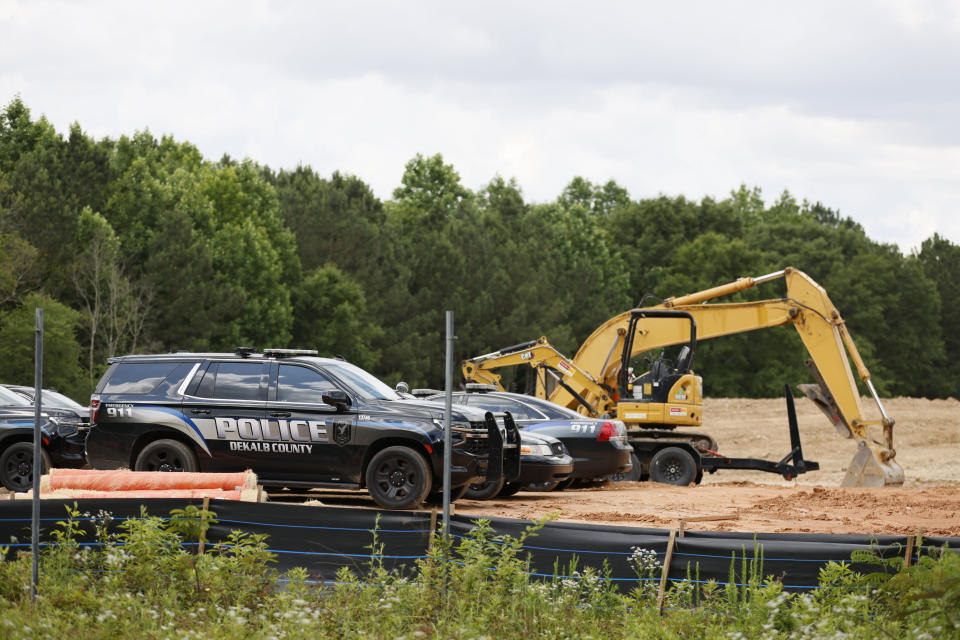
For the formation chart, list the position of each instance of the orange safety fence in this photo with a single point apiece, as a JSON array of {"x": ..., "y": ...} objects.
[
  {"x": 246, "y": 495},
  {"x": 120, "y": 483},
  {"x": 121, "y": 480}
]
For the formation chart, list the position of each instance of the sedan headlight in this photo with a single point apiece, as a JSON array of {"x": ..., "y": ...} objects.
[{"x": 535, "y": 450}]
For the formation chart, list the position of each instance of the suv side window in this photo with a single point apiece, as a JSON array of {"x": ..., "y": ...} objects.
[
  {"x": 300, "y": 384},
  {"x": 232, "y": 381},
  {"x": 138, "y": 377}
]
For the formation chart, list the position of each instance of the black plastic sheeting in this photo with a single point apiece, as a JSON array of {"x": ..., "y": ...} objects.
[{"x": 324, "y": 539}]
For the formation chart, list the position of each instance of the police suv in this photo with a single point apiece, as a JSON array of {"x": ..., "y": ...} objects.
[{"x": 295, "y": 419}]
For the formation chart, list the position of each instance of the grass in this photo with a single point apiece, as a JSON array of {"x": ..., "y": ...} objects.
[{"x": 144, "y": 582}]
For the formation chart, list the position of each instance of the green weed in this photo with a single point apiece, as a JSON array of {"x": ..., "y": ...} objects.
[{"x": 148, "y": 580}]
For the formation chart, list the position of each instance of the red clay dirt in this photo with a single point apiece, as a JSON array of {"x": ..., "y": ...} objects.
[{"x": 926, "y": 437}]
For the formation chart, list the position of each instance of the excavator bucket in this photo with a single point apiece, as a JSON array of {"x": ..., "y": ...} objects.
[
  {"x": 872, "y": 465},
  {"x": 867, "y": 469}
]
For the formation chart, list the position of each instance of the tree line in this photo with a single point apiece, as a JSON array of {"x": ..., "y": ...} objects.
[{"x": 140, "y": 244}]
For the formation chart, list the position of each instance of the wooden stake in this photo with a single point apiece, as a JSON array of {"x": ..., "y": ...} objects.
[
  {"x": 203, "y": 519},
  {"x": 666, "y": 569},
  {"x": 730, "y": 516},
  {"x": 683, "y": 524}
]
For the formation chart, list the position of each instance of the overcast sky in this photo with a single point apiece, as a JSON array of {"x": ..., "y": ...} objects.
[{"x": 853, "y": 104}]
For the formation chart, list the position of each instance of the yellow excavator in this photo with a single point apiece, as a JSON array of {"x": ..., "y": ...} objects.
[{"x": 599, "y": 379}]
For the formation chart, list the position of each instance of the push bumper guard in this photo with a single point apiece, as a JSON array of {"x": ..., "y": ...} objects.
[{"x": 503, "y": 450}]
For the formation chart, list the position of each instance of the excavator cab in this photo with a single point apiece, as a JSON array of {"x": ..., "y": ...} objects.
[{"x": 668, "y": 395}]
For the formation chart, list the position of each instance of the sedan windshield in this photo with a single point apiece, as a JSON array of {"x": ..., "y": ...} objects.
[
  {"x": 57, "y": 399},
  {"x": 553, "y": 411},
  {"x": 13, "y": 399},
  {"x": 364, "y": 384}
]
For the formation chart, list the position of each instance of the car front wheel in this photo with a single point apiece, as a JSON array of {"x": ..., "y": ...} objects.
[
  {"x": 398, "y": 478},
  {"x": 485, "y": 490},
  {"x": 166, "y": 455},
  {"x": 16, "y": 466}
]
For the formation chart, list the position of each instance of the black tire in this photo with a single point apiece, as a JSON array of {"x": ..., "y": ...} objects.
[
  {"x": 630, "y": 476},
  {"x": 485, "y": 490},
  {"x": 509, "y": 489},
  {"x": 673, "y": 465},
  {"x": 436, "y": 497},
  {"x": 166, "y": 455},
  {"x": 16, "y": 466},
  {"x": 398, "y": 478}
]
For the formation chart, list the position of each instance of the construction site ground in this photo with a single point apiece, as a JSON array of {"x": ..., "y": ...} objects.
[{"x": 927, "y": 439}]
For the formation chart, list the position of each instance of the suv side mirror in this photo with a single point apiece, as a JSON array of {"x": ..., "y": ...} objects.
[{"x": 338, "y": 399}]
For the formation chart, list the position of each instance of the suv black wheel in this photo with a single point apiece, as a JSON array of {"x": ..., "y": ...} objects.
[
  {"x": 673, "y": 465},
  {"x": 166, "y": 455},
  {"x": 16, "y": 466},
  {"x": 486, "y": 489},
  {"x": 398, "y": 478}
]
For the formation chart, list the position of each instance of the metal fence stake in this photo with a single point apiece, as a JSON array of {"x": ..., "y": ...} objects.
[{"x": 37, "y": 464}]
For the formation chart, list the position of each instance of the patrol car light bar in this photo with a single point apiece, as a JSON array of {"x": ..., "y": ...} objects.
[
  {"x": 246, "y": 352},
  {"x": 286, "y": 353}
]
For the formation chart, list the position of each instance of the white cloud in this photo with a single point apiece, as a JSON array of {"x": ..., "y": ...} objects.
[{"x": 852, "y": 105}]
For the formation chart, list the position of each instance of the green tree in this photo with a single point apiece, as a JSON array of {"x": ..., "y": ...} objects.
[
  {"x": 114, "y": 306},
  {"x": 61, "y": 351},
  {"x": 47, "y": 180},
  {"x": 193, "y": 317},
  {"x": 331, "y": 316},
  {"x": 940, "y": 260},
  {"x": 19, "y": 268},
  {"x": 336, "y": 220}
]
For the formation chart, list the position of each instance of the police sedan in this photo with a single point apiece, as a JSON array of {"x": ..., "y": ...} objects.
[{"x": 598, "y": 446}]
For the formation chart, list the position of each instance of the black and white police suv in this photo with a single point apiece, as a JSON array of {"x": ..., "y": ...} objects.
[{"x": 295, "y": 419}]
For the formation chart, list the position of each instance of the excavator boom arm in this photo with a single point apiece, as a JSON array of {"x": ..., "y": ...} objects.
[{"x": 806, "y": 306}]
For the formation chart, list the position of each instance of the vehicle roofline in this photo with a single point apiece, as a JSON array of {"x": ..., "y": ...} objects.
[{"x": 191, "y": 356}]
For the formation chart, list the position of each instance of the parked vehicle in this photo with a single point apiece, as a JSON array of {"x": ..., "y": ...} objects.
[
  {"x": 51, "y": 398},
  {"x": 599, "y": 447},
  {"x": 63, "y": 432},
  {"x": 295, "y": 419},
  {"x": 61, "y": 446},
  {"x": 543, "y": 460}
]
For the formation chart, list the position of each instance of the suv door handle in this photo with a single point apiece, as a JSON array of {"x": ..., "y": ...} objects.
[
  {"x": 280, "y": 414},
  {"x": 199, "y": 412}
]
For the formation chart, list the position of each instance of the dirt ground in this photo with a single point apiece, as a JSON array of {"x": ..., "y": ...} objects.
[{"x": 926, "y": 438}]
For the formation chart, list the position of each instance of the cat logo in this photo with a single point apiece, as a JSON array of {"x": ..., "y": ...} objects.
[{"x": 341, "y": 432}]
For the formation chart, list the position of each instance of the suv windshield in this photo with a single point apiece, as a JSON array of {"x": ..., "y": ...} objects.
[{"x": 364, "y": 384}]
